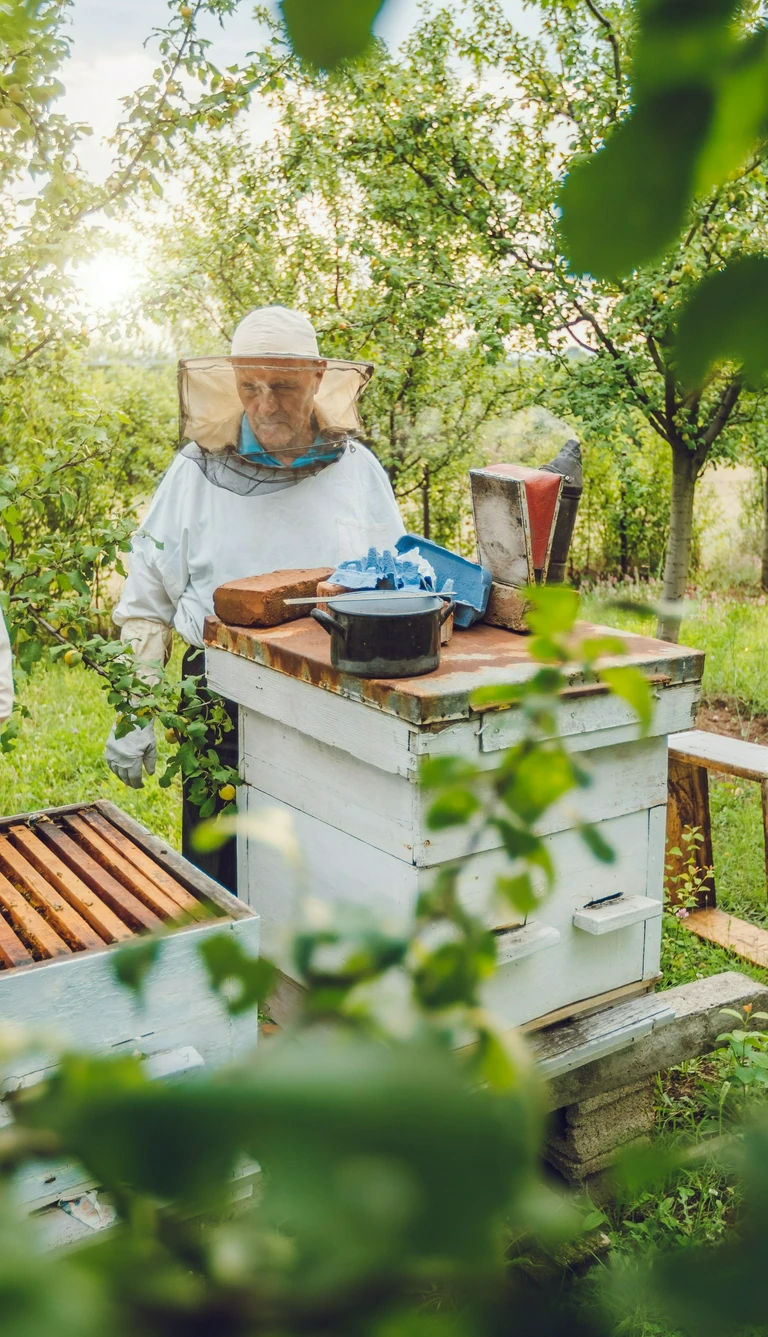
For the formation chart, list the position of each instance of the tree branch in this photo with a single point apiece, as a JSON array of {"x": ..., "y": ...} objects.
[
  {"x": 613, "y": 39},
  {"x": 724, "y": 410}
]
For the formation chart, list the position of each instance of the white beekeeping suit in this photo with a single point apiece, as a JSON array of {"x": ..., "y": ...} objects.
[
  {"x": 6, "y": 673},
  {"x": 272, "y": 478}
]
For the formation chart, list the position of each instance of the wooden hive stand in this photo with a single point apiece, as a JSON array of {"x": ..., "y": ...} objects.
[{"x": 692, "y": 755}]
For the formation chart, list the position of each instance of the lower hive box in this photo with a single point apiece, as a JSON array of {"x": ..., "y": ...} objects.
[{"x": 76, "y": 885}]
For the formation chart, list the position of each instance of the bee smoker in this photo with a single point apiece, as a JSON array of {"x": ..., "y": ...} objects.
[{"x": 568, "y": 463}]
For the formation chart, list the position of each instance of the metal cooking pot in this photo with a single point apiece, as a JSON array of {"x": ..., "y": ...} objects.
[{"x": 385, "y": 638}]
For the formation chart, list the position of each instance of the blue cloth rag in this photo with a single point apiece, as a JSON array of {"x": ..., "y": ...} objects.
[{"x": 386, "y": 570}]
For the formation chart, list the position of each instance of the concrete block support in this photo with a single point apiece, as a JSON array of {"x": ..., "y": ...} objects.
[
  {"x": 604, "y": 1105},
  {"x": 585, "y": 1138}
]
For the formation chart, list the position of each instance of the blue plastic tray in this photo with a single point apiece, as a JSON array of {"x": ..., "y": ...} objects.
[{"x": 471, "y": 582}]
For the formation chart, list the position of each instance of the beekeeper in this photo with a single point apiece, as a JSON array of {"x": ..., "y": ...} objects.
[{"x": 271, "y": 477}]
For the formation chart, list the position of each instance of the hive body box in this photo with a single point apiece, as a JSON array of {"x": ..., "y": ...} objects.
[
  {"x": 342, "y": 755},
  {"x": 180, "y": 1024}
]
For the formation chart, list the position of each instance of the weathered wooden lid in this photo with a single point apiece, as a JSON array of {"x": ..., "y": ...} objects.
[{"x": 479, "y": 657}]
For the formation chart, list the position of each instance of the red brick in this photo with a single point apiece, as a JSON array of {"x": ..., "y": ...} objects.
[{"x": 259, "y": 601}]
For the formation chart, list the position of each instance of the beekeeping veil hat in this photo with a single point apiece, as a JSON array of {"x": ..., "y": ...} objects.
[{"x": 274, "y": 411}]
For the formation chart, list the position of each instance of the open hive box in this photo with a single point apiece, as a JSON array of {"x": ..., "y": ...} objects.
[
  {"x": 74, "y": 881},
  {"x": 76, "y": 885}
]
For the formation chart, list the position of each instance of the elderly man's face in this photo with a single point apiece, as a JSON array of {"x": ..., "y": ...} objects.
[{"x": 279, "y": 399}]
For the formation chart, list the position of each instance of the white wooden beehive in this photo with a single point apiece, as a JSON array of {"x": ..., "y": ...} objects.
[
  {"x": 77, "y": 883},
  {"x": 341, "y": 755}
]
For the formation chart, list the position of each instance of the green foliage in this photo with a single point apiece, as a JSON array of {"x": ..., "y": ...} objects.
[
  {"x": 725, "y": 320},
  {"x": 325, "y": 37},
  {"x": 244, "y": 982},
  {"x": 698, "y": 115},
  {"x": 132, "y": 964}
]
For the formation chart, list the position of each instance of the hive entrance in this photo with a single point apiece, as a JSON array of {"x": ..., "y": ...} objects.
[{"x": 75, "y": 882}]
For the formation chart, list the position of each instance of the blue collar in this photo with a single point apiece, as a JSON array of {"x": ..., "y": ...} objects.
[{"x": 251, "y": 449}]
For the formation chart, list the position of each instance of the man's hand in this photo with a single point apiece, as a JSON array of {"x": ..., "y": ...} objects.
[{"x": 126, "y": 756}]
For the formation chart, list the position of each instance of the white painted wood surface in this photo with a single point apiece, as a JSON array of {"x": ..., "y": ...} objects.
[
  {"x": 78, "y": 999},
  {"x": 718, "y": 752},
  {"x": 609, "y": 916},
  {"x": 340, "y": 868},
  {"x": 359, "y": 730},
  {"x": 516, "y": 943},
  {"x": 389, "y": 812},
  {"x": 599, "y": 720}
]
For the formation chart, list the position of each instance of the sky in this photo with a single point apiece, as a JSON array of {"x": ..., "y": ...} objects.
[{"x": 109, "y": 60}]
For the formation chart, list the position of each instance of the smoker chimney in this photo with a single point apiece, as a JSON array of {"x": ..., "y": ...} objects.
[{"x": 568, "y": 463}]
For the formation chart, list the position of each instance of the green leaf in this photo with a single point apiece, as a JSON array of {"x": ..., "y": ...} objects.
[
  {"x": 740, "y": 113},
  {"x": 541, "y": 778},
  {"x": 597, "y": 843},
  {"x": 726, "y": 320},
  {"x": 453, "y": 808},
  {"x": 519, "y": 891},
  {"x": 131, "y": 965},
  {"x": 625, "y": 204},
  {"x": 435, "y": 772},
  {"x": 554, "y": 609},
  {"x": 518, "y": 843},
  {"x": 328, "y": 33},
  {"x": 246, "y": 981},
  {"x": 633, "y": 687}
]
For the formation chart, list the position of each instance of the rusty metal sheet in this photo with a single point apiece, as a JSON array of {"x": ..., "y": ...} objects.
[{"x": 479, "y": 657}]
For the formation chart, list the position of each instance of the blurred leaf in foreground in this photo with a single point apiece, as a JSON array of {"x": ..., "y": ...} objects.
[
  {"x": 726, "y": 319},
  {"x": 326, "y": 33}
]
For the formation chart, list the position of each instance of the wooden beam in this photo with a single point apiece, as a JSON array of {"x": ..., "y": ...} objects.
[
  {"x": 71, "y": 887},
  {"x": 33, "y": 928},
  {"x": 688, "y": 806},
  {"x": 735, "y": 935},
  {"x": 149, "y": 867},
  {"x": 67, "y": 922}
]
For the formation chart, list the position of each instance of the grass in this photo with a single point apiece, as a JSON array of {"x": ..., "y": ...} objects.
[{"x": 59, "y": 756}]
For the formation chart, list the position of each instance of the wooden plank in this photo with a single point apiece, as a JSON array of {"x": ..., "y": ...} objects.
[
  {"x": 124, "y": 904},
  {"x": 364, "y": 731},
  {"x": 597, "y": 720},
  {"x": 718, "y": 752},
  {"x": 12, "y": 949},
  {"x": 32, "y": 927},
  {"x": 72, "y": 888},
  {"x": 688, "y": 806},
  {"x": 735, "y": 935},
  {"x": 149, "y": 867},
  {"x": 117, "y": 866},
  {"x": 389, "y": 813},
  {"x": 68, "y": 923},
  {"x": 80, "y": 999},
  {"x": 586, "y": 1006},
  {"x": 201, "y": 886},
  {"x": 609, "y": 916},
  {"x": 374, "y": 805}
]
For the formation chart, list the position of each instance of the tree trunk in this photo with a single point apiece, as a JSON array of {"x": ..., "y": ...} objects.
[
  {"x": 425, "y": 517},
  {"x": 764, "y": 565},
  {"x": 686, "y": 466}
]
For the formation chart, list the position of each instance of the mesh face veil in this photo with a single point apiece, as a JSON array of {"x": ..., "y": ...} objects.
[{"x": 272, "y": 413}]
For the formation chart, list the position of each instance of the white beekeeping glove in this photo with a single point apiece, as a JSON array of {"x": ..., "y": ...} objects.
[
  {"x": 126, "y": 756},
  {"x": 151, "y": 644}
]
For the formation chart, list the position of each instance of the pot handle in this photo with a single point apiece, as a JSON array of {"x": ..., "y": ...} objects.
[
  {"x": 328, "y": 623},
  {"x": 445, "y": 613}
]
